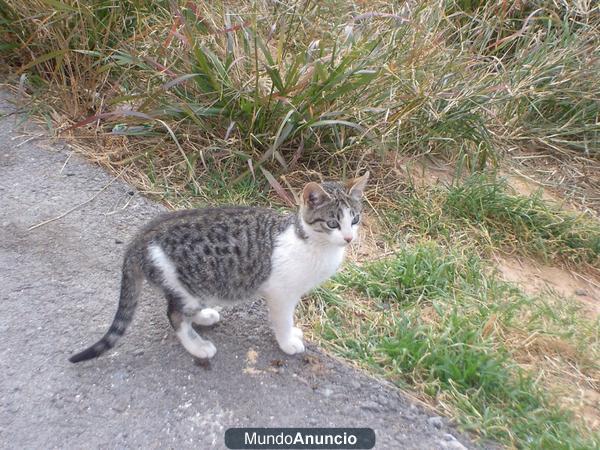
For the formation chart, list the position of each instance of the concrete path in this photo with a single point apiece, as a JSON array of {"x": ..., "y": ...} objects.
[{"x": 58, "y": 292}]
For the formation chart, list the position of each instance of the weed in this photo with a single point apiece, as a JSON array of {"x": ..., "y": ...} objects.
[
  {"x": 445, "y": 330},
  {"x": 482, "y": 211},
  {"x": 538, "y": 227}
]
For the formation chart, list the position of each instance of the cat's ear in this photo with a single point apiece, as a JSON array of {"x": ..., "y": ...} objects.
[
  {"x": 356, "y": 187},
  {"x": 314, "y": 196}
]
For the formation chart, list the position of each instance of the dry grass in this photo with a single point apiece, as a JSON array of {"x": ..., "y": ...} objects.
[{"x": 225, "y": 88}]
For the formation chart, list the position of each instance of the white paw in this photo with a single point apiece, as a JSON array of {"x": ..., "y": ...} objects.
[
  {"x": 204, "y": 350},
  {"x": 206, "y": 317},
  {"x": 297, "y": 332},
  {"x": 292, "y": 345}
]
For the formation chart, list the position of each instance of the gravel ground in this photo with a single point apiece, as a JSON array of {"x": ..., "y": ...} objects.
[{"x": 59, "y": 285}]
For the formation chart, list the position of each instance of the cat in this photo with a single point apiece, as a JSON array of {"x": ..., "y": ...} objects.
[{"x": 202, "y": 258}]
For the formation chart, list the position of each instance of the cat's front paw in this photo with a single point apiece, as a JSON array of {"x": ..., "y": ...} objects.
[
  {"x": 292, "y": 345},
  {"x": 204, "y": 350},
  {"x": 297, "y": 332}
]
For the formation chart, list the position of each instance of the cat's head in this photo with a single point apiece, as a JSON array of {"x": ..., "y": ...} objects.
[{"x": 331, "y": 211}]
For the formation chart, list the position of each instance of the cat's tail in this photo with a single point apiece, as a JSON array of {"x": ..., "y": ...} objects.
[{"x": 131, "y": 285}]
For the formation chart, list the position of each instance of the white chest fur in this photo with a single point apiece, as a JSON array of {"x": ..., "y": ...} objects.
[{"x": 299, "y": 265}]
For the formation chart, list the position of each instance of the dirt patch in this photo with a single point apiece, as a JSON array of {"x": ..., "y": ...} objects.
[
  {"x": 574, "y": 177},
  {"x": 424, "y": 174},
  {"x": 369, "y": 245},
  {"x": 576, "y": 390},
  {"x": 527, "y": 186},
  {"x": 567, "y": 373},
  {"x": 535, "y": 278},
  {"x": 587, "y": 407}
]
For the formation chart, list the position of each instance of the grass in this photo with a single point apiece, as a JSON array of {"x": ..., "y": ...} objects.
[
  {"x": 258, "y": 94},
  {"x": 440, "y": 322},
  {"x": 214, "y": 102},
  {"x": 229, "y": 89},
  {"x": 536, "y": 226},
  {"x": 483, "y": 208}
]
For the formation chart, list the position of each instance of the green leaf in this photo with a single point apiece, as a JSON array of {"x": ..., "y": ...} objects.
[
  {"x": 332, "y": 122},
  {"x": 44, "y": 58}
]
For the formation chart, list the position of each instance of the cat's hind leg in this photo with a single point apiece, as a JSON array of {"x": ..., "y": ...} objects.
[
  {"x": 181, "y": 319},
  {"x": 206, "y": 317}
]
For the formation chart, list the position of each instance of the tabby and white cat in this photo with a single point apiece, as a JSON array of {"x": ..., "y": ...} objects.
[{"x": 219, "y": 256}]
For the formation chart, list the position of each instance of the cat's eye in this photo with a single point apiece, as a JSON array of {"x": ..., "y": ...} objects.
[
  {"x": 333, "y": 224},
  {"x": 356, "y": 219}
]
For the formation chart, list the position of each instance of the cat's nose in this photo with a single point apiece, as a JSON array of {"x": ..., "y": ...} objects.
[{"x": 348, "y": 239}]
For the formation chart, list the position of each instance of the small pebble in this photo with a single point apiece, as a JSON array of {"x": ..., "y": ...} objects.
[
  {"x": 454, "y": 445},
  {"x": 355, "y": 384},
  {"x": 436, "y": 422},
  {"x": 326, "y": 392},
  {"x": 370, "y": 406}
]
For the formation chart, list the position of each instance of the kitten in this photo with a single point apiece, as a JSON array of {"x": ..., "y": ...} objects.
[{"x": 218, "y": 256}]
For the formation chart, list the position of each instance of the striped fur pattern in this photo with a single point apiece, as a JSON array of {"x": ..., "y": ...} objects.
[{"x": 210, "y": 257}]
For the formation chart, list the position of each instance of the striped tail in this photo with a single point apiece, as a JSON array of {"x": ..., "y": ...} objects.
[{"x": 131, "y": 285}]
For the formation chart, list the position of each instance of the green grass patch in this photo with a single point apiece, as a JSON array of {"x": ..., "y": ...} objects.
[
  {"x": 484, "y": 210},
  {"x": 534, "y": 224},
  {"x": 413, "y": 276},
  {"x": 438, "y": 321}
]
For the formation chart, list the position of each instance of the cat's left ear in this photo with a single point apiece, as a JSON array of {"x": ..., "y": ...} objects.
[{"x": 356, "y": 187}]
